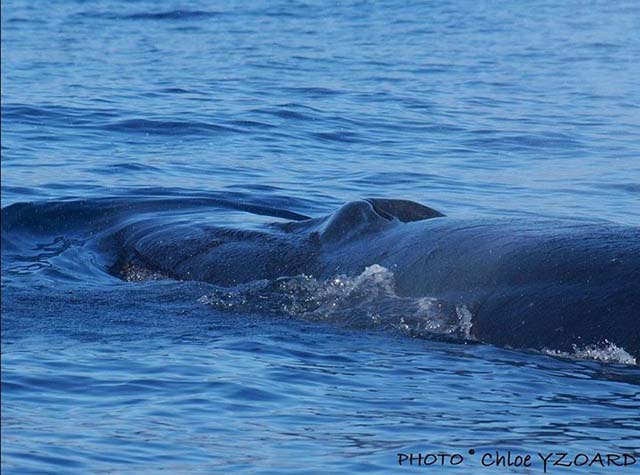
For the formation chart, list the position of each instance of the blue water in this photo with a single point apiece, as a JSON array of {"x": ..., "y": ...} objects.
[{"x": 479, "y": 109}]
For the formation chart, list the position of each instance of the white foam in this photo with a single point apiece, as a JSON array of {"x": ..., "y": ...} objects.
[
  {"x": 606, "y": 351},
  {"x": 131, "y": 272},
  {"x": 367, "y": 301}
]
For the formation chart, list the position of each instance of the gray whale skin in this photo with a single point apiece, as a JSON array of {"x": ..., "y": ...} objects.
[{"x": 534, "y": 284}]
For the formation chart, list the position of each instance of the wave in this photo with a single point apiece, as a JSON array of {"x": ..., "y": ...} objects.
[
  {"x": 113, "y": 120},
  {"x": 167, "y": 127},
  {"x": 56, "y": 114},
  {"x": 155, "y": 16}
]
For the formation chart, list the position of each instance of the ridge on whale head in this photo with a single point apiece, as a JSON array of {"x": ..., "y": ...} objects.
[
  {"x": 357, "y": 218},
  {"x": 374, "y": 214},
  {"x": 528, "y": 283}
]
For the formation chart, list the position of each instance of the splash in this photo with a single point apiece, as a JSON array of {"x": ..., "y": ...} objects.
[
  {"x": 606, "y": 352},
  {"x": 132, "y": 272},
  {"x": 366, "y": 301}
]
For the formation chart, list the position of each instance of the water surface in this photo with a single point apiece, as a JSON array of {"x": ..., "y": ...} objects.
[{"x": 477, "y": 109}]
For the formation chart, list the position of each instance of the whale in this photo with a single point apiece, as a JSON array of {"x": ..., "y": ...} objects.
[{"x": 527, "y": 283}]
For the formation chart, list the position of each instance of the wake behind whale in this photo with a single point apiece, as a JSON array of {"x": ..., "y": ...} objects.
[{"x": 562, "y": 287}]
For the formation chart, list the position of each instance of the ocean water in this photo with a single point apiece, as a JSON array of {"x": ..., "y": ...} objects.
[{"x": 479, "y": 109}]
